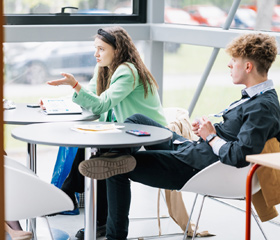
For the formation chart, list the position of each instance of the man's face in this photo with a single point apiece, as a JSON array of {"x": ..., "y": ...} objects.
[{"x": 238, "y": 68}]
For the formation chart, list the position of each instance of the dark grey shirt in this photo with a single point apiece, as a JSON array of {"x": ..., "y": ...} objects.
[{"x": 245, "y": 129}]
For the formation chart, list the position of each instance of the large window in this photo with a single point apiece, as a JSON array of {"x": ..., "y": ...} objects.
[
  {"x": 182, "y": 74},
  {"x": 254, "y": 15},
  {"x": 22, "y": 12},
  {"x": 35, "y": 63}
]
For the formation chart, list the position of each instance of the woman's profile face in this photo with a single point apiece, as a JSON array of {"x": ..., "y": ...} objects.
[{"x": 104, "y": 53}]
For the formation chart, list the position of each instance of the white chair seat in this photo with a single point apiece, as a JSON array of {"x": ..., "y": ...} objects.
[{"x": 221, "y": 180}]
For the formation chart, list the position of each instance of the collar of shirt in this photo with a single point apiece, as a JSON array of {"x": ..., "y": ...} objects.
[
  {"x": 257, "y": 89},
  {"x": 247, "y": 93}
]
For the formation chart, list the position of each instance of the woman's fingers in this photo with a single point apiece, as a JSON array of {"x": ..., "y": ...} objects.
[
  {"x": 67, "y": 80},
  {"x": 57, "y": 82}
]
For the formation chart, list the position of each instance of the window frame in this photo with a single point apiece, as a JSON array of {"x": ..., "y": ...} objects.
[{"x": 139, "y": 15}]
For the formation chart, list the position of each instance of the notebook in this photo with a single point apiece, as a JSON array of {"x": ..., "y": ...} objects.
[{"x": 61, "y": 106}]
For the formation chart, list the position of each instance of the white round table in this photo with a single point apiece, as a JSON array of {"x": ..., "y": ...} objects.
[{"x": 62, "y": 134}]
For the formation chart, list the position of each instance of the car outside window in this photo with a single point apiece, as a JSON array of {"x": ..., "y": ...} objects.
[
  {"x": 213, "y": 13},
  {"x": 35, "y": 63}
]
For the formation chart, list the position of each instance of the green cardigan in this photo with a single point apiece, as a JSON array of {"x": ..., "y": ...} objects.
[{"x": 123, "y": 96}]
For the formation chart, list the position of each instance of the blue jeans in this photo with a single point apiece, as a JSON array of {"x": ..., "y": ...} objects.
[{"x": 156, "y": 167}]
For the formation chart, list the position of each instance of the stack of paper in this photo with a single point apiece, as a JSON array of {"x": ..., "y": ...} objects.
[{"x": 97, "y": 128}]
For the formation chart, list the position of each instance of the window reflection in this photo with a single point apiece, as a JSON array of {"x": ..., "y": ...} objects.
[
  {"x": 52, "y": 6},
  {"x": 35, "y": 63},
  {"x": 213, "y": 13},
  {"x": 183, "y": 71},
  {"x": 208, "y": 15},
  {"x": 245, "y": 18},
  {"x": 178, "y": 16}
]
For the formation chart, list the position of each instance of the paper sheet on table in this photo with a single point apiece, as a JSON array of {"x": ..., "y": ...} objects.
[{"x": 93, "y": 128}]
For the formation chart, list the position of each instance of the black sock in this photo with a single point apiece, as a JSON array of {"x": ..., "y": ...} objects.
[{"x": 71, "y": 194}]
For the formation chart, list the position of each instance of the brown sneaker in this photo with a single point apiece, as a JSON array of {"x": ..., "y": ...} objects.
[{"x": 107, "y": 165}]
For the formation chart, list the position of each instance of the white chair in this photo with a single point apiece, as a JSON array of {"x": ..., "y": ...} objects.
[
  {"x": 220, "y": 181},
  {"x": 27, "y": 196}
]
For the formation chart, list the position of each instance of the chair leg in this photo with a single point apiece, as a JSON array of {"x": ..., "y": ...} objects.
[
  {"x": 198, "y": 217},
  {"x": 49, "y": 236},
  {"x": 189, "y": 221},
  {"x": 258, "y": 222},
  {"x": 33, "y": 227},
  {"x": 163, "y": 196}
]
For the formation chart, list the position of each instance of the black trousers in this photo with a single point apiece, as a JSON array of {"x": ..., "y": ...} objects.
[
  {"x": 75, "y": 182},
  {"x": 155, "y": 167}
]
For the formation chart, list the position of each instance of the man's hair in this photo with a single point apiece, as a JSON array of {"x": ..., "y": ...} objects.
[
  {"x": 257, "y": 47},
  {"x": 125, "y": 51}
]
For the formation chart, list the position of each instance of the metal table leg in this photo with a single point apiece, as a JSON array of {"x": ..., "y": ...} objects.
[
  {"x": 90, "y": 205},
  {"x": 32, "y": 157},
  {"x": 31, "y": 163}
]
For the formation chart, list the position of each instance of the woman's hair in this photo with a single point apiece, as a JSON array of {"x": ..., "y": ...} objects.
[
  {"x": 125, "y": 51},
  {"x": 257, "y": 47}
]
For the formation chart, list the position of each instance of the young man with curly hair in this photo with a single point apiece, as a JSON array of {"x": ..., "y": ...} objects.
[{"x": 247, "y": 124}]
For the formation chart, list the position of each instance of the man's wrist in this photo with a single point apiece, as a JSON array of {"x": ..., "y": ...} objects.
[
  {"x": 210, "y": 137},
  {"x": 217, "y": 144}
]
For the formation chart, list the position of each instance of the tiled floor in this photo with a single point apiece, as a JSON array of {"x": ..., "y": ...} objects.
[{"x": 226, "y": 222}]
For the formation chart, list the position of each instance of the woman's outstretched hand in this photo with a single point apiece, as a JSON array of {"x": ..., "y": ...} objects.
[{"x": 68, "y": 79}]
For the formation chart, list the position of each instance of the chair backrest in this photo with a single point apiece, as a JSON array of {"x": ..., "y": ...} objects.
[
  {"x": 17, "y": 165},
  {"x": 171, "y": 114},
  {"x": 27, "y": 196},
  {"x": 221, "y": 180},
  {"x": 178, "y": 121}
]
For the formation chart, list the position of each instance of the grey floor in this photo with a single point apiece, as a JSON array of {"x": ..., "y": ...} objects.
[{"x": 225, "y": 221}]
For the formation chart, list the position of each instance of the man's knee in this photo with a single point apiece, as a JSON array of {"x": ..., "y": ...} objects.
[{"x": 136, "y": 118}]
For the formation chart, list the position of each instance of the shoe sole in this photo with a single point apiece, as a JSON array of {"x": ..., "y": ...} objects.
[
  {"x": 100, "y": 232},
  {"x": 102, "y": 167}
]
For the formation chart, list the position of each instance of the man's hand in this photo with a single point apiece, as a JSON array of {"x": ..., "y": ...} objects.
[
  {"x": 195, "y": 127},
  {"x": 205, "y": 128}
]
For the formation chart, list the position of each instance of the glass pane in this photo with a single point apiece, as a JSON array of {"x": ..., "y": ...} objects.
[
  {"x": 255, "y": 15},
  {"x": 35, "y": 63},
  {"x": 206, "y": 13},
  {"x": 183, "y": 71},
  {"x": 178, "y": 16},
  {"x": 259, "y": 16},
  {"x": 53, "y": 6}
]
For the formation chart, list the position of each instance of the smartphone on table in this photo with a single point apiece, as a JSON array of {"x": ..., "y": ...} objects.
[
  {"x": 138, "y": 133},
  {"x": 33, "y": 105}
]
